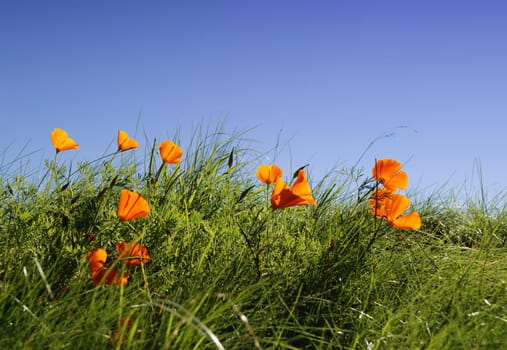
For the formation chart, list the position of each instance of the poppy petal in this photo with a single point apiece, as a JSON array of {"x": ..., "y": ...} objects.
[
  {"x": 134, "y": 253},
  {"x": 132, "y": 206},
  {"x": 378, "y": 202},
  {"x": 301, "y": 186},
  {"x": 384, "y": 167},
  {"x": 268, "y": 173},
  {"x": 411, "y": 221},
  {"x": 396, "y": 181},
  {"x": 396, "y": 206},
  {"x": 281, "y": 196},
  {"x": 96, "y": 258},
  {"x": 389, "y": 173},
  {"x": 299, "y": 194}
]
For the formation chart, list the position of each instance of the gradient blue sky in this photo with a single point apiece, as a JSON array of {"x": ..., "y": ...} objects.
[{"x": 328, "y": 76}]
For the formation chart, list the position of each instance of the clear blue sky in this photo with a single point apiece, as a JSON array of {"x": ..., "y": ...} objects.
[{"x": 331, "y": 75}]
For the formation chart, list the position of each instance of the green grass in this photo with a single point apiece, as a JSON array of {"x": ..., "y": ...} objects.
[{"x": 229, "y": 272}]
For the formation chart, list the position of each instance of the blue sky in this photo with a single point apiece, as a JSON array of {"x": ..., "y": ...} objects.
[{"x": 328, "y": 77}]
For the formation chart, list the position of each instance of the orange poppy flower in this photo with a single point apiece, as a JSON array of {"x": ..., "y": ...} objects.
[
  {"x": 135, "y": 253},
  {"x": 268, "y": 173},
  {"x": 299, "y": 194},
  {"x": 132, "y": 206},
  {"x": 101, "y": 275},
  {"x": 96, "y": 258},
  {"x": 388, "y": 172},
  {"x": 125, "y": 142},
  {"x": 61, "y": 141},
  {"x": 392, "y": 208},
  {"x": 170, "y": 152},
  {"x": 110, "y": 276}
]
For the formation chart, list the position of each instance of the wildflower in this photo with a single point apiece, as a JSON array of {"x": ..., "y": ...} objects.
[
  {"x": 135, "y": 253},
  {"x": 132, "y": 206},
  {"x": 392, "y": 207},
  {"x": 299, "y": 194},
  {"x": 268, "y": 173},
  {"x": 101, "y": 275},
  {"x": 61, "y": 141},
  {"x": 170, "y": 152},
  {"x": 388, "y": 172},
  {"x": 125, "y": 142}
]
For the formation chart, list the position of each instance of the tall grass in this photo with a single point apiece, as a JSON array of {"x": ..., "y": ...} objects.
[{"x": 229, "y": 272}]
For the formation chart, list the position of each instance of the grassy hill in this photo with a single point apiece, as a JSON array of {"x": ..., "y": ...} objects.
[{"x": 227, "y": 271}]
